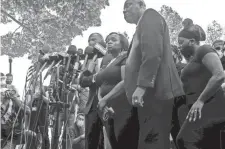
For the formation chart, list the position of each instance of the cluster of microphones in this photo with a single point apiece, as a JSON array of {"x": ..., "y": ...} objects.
[{"x": 71, "y": 59}]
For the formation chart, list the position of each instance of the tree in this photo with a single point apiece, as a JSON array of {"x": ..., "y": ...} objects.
[
  {"x": 52, "y": 22},
  {"x": 214, "y": 32},
  {"x": 174, "y": 22}
]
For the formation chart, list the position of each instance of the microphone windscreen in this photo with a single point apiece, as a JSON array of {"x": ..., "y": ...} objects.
[
  {"x": 89, "y": 50},
  {"x": 72, "y": 50},
  {"x": 45, "y": 49},
  {"x": 100, "y": 49}
]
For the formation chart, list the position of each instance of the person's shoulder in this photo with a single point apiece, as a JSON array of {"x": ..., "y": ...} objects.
[
  {"x": 151, "y": 16},
  {"x": 150, "y": 11},
  {"x": 203, "y": 50}
]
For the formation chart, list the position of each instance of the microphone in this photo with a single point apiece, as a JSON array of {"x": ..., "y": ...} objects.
[
  {"x": 88, "y": 51},
  {"x": 72, "y": 50},
  {"x": 45, "y": 49},
  {"x": 99, "y": 51}
]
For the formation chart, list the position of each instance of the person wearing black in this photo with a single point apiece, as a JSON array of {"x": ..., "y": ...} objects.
[
  {"x": 122, "y": 128},
  {"x": 202, "y": 78},
  {"x": 219, "y": 46},
  {"x": 93, "y": 126}
]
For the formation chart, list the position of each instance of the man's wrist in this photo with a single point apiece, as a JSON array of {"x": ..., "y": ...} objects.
[{"x": 142, "y": 88}]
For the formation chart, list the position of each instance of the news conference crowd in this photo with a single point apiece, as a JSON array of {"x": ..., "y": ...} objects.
[{"x": 121, "y": 95}]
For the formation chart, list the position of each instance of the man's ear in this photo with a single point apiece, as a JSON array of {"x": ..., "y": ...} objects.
[
  {"x": 192, "y": 42},
  {"x": 142, "y": 4}
]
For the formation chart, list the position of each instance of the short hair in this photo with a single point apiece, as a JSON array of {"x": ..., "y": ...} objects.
[
  {"x": 2, "y": 74},
  {"x": 98, "y": 34},
  {"x": 218, "y": 41},
  {"x": 9, "y": 75},
  {"x": 123, "y": 40}
]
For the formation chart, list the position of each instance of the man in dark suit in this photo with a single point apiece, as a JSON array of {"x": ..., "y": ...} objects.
[
  {"x": 93, "y": 125},
  {"x": 151, "y": 79}
]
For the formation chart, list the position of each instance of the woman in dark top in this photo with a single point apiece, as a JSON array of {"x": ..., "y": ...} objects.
[
  {"x": 202, "y": 78},
  {"x": 122, "y": 128}
]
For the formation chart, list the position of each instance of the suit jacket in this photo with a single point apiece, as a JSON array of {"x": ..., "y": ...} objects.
[
  {"x": 150, "y": 63},
  {"x": 86, "y": 81}
]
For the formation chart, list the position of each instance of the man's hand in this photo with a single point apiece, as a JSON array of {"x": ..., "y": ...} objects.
[
  {"x": 82, "y": 136},
  {"x": 137, "y": 97}
]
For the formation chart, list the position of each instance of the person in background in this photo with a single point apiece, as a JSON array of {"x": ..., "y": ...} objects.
[
  {"x": 9, "y": 78},
  {"x": 219, "y": 46},
  {"x": 93, "y": 125},
  {"x": 2, "y": 79},
  {"x": 79, "y": 132},
  {"x": 12, "y": 112},
  {"x": 202, "y": 78}
]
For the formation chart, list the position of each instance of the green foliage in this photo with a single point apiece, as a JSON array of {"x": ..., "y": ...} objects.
[
  {"x": 214, "y": 32},
  {"x": 174, "y": 22},
  {"x": 55, "y": 22}
]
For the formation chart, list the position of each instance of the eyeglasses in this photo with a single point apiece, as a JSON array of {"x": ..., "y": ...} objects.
[{"x": 218, "y": 48}]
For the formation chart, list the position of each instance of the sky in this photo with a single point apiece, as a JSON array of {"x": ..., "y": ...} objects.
[{"x": 202, "y": 12}]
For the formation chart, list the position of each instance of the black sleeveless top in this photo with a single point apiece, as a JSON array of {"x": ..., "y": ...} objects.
[
  {"x": 109, "y": 76},
  {"x": 195, "y": 76}
]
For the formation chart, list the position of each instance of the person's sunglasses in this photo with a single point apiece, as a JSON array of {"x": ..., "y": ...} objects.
[{"x": 218, "y": 48}]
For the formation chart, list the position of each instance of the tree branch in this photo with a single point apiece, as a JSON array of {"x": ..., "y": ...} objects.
[
  {"x": 16, "y": 29},
  {"x": 18, "y": 22}
]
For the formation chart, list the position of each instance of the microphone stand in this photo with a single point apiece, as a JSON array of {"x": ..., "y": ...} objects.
[
  {"x": 10, "y": 65},
  {"x": 61, "y": 102},
  {"x": 64, "y": 98}
]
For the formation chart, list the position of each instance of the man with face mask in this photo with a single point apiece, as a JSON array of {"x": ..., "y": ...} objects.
[
  {"x": 218, "y": 45},
  {"x": 79, "y": 127}
]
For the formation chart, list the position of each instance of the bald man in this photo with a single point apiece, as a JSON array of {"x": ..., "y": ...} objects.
[{"x": 151, "y": 79}]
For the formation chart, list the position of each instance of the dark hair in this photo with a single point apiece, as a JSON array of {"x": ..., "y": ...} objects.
[
  {"x": 123, "y": 40},
  {"x": 9, "y": 75},
  {"x": 192, "y": 31},
  {"x": 2, "y": 74},
  {"x": 98, "y": 34}
]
